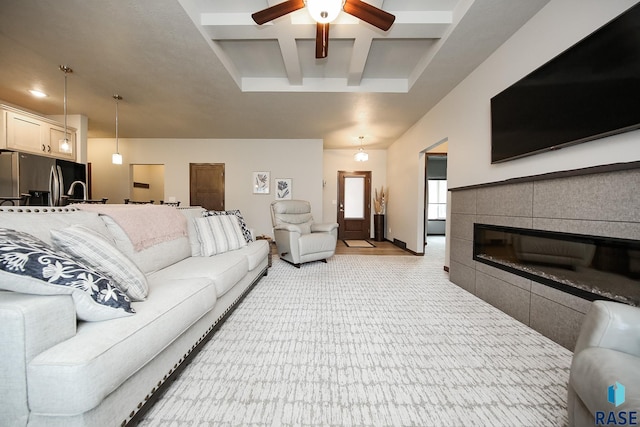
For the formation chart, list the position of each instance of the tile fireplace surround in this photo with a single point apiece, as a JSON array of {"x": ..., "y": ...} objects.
[{"x": 601, "y": 201}]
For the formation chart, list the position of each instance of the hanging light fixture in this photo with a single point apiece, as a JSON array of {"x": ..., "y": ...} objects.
[
  {"x": 64, "y": 144},
  {"x": 116, "y": 158},
  {"x": 324, "y": 11},
  {"x": 361, "y": 155}
]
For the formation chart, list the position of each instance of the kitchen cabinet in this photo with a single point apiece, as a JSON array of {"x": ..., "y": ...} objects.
[{"x": 26, "y": 132}]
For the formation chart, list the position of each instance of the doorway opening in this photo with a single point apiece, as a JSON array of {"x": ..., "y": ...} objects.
[
  {"x": 354, "y": 205},
  {"x": 147, "y": 183},
  {"x": 437, "y": 194},
  {"x": 435, "y": 198}
]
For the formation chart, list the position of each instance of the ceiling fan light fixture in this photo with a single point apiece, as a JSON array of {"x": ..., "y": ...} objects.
[{"x": 324, "y": 11}]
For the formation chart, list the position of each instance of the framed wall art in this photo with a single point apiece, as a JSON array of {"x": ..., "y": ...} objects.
[
  {"x": 283, "y": 188},
  {"x": 261, "y": 183}
]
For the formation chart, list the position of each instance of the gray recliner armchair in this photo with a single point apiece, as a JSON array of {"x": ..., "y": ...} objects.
[
  {"x": 607, "y": 355},
  {"x": 298, "y": 238}
]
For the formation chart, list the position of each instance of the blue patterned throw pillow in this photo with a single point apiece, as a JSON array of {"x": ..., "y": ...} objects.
[
  {"x": 31, "y": 266},
  {"x": 243, "y": 225}
]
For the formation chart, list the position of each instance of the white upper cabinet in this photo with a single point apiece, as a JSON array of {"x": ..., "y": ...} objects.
[
  {"x": 24, "y": 133},
  {"x": 38, "y": 135}
]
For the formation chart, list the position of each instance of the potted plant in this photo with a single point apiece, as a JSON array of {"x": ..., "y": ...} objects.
[{"x": 380, "y": 207}]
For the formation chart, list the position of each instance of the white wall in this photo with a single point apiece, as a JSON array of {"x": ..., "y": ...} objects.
[
  {"x": 300, "y": 160},
  {"x": 463, "y": 117},
  {"x": 342, "y": 160},
  {"x": 148, "y": 174}
]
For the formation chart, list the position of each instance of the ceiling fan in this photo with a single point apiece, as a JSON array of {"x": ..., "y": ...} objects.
[{"x": 325, "y": 11}]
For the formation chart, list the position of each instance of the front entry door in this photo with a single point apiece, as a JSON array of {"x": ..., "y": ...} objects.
[
  {"x": 354, "y": 205},
  {"x": 206, "y": 186}
]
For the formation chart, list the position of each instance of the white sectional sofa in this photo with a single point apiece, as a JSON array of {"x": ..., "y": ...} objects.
[{"x": 58, "y": 370}]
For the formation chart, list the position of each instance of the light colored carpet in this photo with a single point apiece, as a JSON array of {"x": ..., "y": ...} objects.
[
  {"x": 369, "y": 341},
  {"x": 358, "y": 244}
]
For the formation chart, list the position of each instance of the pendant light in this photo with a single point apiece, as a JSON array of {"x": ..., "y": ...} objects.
[
  {"x": 361, "y": 155},
  {"x": 63, "y": 144},
  {"x": 116, "y": 158}
]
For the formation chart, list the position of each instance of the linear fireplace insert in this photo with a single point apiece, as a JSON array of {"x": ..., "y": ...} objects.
[{"x": 590, "y": 267}]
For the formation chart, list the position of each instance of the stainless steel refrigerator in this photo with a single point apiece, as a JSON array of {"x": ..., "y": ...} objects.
[{"x": 46, "y": 180}]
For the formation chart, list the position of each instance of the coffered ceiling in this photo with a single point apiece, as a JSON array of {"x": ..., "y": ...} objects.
[
  {"x": 204, "y": 69},
  {"x": 280, "y": 56}
]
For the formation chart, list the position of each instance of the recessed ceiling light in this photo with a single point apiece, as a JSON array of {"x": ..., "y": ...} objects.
[{"x": 37, "y": 93}]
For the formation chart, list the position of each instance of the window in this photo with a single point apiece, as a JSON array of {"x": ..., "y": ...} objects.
[{"x": 437, "y": 208}]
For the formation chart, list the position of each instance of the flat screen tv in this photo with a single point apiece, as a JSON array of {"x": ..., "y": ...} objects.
[{"x": 590, "y": 91}]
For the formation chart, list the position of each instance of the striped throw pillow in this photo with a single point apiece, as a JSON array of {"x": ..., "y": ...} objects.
[
  {"x": 95, "y": 251},
  {"x": 243, "y": 225},
  {"x": 219, "y": 234}
]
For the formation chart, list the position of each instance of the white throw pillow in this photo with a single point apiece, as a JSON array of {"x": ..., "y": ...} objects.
[
  {"x": 96, "y": 252},
  {"x": 219, "y": 234}
]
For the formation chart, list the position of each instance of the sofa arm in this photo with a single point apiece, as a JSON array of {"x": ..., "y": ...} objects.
[
  {"x": 611, "y": 325},
  {"x": 29, "y": 324},
  {"x": 594, "y": 369}
]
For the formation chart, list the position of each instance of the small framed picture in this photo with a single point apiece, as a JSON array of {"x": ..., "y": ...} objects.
[
  {"x": 283, "y": 188},
  {"x": 261, "y": 183}
]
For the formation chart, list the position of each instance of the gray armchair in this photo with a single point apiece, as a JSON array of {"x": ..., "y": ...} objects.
[
  {"x": 297, "y": 237},
  {"x": 607, "y": 352}
]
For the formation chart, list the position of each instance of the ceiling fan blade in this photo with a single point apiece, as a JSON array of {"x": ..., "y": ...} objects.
[
  {"x": 371, "y": 14},
  {"x": 280, "y": 9},
  {"x": 322, "y": 40}
]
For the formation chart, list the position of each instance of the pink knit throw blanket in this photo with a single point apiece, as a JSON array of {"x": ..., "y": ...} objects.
[{"x": 145, "y": 225}]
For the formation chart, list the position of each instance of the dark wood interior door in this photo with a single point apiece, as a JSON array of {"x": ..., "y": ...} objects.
[
  {"x": 354, "y": 205},
  {"x": 206, "y": 185}
]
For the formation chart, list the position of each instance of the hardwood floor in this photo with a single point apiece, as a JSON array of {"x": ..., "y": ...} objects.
[{"x": 381, "y": 248}]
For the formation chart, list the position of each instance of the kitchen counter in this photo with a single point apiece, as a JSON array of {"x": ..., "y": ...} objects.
[{"x": 93, "y": 201}]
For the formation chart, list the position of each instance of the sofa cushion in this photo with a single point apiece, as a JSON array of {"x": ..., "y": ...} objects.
[
  {"x": 39, "y": 221},
  {"x": 153, "y": 258},
  {"x": 30, "y": 266},
  {"x": 243, "y": 225},
  {"x": 225, "y": 270},
  {"x": 219, "y": 234},
  {"x": 256, "y": 252},
  {"x": 190, "y": 214},
  {"x": 98, "y": 253},
  {"x": 77, "y": 374}
]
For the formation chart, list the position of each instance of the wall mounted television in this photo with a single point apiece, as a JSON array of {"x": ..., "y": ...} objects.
[{"x": 590, "y": 91}]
